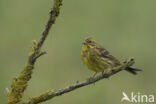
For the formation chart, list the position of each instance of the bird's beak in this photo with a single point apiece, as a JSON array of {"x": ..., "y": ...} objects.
[{"x": 84, "y": 42}]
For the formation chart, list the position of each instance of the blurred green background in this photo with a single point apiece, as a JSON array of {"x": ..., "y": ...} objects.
[{"x": 127, "y": 28}]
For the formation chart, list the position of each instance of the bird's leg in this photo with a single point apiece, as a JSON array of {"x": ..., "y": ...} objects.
[
  {"x": 92, "y": 76},
  {"x": 106, "y": 72},
  {"x": 103, "y": 72}
]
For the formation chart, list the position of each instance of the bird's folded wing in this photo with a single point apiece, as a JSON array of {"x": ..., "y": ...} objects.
[{"x": 105, "y": 54}]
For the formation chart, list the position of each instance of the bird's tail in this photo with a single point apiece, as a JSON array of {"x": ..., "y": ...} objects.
[{"x": 132, "y": 70}]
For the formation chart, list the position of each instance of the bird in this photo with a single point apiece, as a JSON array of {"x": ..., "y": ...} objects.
[{"x": 98, "y": 59}]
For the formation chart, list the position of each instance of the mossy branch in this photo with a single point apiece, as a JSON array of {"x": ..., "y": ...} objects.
[
  {"x": 19, "y": 84},
  {"x": 51, "y": 94}
]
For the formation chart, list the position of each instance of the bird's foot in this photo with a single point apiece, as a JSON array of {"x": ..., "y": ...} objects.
[
  {"x": 105, "y": 74},
  {"x": 91, "y": 78}
]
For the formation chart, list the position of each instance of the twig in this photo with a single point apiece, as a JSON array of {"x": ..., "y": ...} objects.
[
  {"x": 39, "y": 55},
  {"x": 53, "y": 14},
  {"x": 19, "y": 84},
  {"x": 51, "y": 94}
]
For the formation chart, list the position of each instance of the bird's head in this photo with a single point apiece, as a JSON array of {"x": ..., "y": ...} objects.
[{"x": 89, "y": 43}]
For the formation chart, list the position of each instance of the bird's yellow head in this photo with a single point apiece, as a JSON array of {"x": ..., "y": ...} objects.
[{"x": 88, "y": 43}]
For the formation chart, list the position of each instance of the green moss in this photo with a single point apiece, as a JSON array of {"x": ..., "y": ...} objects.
[
  {"x": 19, "y": 85},
  {"x": 43, "y": 97}
]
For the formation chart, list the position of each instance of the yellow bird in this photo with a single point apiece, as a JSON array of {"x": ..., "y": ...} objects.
[{"x": 98, "y": 59}]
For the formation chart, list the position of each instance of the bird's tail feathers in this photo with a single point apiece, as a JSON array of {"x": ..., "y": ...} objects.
[{"x": 132, "y": 70}]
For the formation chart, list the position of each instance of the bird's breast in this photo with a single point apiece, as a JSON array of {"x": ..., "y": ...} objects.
[{"x": 92, "y": 61}]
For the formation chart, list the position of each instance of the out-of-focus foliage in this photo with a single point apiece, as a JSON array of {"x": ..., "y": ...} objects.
[{"x": 124, "y": 27}]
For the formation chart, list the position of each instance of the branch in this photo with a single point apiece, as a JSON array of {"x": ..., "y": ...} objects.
[
  {"x": 51, "y": 94},
  {"x": 19, "y": 84}
]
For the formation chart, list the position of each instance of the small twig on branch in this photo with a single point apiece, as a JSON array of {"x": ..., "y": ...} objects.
[
  {"x": 39, "y": 55},
  {"x": 19, "y": 84},
  {"x": 53, "y": 14},
  {"x": 51, "y": 94}
]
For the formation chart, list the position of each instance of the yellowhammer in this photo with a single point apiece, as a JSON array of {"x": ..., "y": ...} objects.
[{"x": 98, "y": 59}]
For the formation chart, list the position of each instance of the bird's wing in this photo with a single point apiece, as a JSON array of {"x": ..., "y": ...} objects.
[{"x": 104, "y": 53}]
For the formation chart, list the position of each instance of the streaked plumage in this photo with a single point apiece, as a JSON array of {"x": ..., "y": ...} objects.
[{"x": 98, "y": 59}]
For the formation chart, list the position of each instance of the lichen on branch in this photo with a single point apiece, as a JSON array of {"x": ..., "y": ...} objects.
[
  {"x": 20, "y": 83},
  {"x": 51, "y": 94}
]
